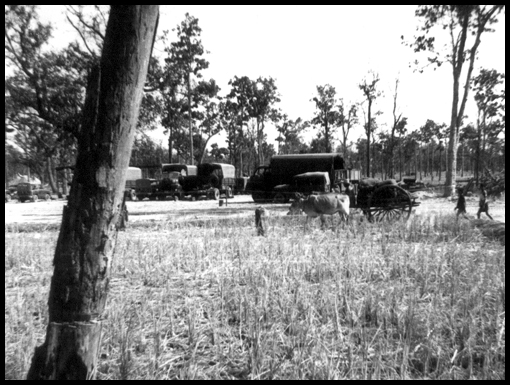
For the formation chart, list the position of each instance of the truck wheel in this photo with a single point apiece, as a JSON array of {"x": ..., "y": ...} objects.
[
  {"x": 7, "y": 198},
  {"x": 229, "y": 193},
  {"x": 132, "y": 195},
  {"x": 47, "y": 197},
  {"x": 280, "y": 198},
  {"x": 216, "y": 194},
  {"x": 35, "y": 198}
]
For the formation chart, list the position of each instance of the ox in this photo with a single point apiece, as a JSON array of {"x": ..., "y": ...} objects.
[{"x": 320, "y": 205}]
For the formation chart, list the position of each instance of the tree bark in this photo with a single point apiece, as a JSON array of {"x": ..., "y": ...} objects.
[
  {"x": 88, "y": 233},
  {"x": 51, "y": 176}
]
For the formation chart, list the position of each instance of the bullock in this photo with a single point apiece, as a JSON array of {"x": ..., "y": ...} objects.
[{"x": 320, "y": 205}]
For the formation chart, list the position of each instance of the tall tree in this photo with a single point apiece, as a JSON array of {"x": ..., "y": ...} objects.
[
  {"x": 326, "y": 114},
  {"x": 490, "y": 103},
  {"x": 460, "y": 21},
  {"x": 346, "y": 120},
  {"x": 238, "y": 109},
  {"x": 369, "y": 88},
  {"x": 187, "y": 53},
  {"x": 206, "y": 94},
  {"x": 86, "y": 244},
  {"x": 44, "y": 89},
  {"x": 399, "y": 123},
  {"x": 261, "y": 107}
]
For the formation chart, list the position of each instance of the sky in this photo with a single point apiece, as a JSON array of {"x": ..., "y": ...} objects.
[{"x": 302, "y": 47}]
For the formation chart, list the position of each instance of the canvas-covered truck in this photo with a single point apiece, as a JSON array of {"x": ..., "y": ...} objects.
[
  {"x": 34, "y": 193},
  {"x": 283, "y": 168},
  {"x": 170, "y": 184},
  {"x": 212, "y": 180}
]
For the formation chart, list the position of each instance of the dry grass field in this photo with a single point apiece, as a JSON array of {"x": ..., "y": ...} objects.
[{"x": 196, "y": 294}]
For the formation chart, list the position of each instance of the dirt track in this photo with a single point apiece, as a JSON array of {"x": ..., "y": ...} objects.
[{"x": 243, "y": 205}]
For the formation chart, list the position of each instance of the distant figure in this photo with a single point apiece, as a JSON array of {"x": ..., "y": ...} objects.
[
  {"x": 461, "y": 203},
  {"x": 483, "y": 205}
]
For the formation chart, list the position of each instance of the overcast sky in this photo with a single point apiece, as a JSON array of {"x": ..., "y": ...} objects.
[{"x": 306, "y": 46}]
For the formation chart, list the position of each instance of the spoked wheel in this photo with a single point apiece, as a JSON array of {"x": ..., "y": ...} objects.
[{"x": 389, "y": 203}]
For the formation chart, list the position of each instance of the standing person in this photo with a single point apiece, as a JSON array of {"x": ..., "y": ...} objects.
[
  {"x": 461, "y": 203},
  {"x": 483, "y": 205}
]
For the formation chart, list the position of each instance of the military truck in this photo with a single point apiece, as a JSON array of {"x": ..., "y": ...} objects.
[
  {"x": 283, "y": 168},
  {"x": 316, "y": 182},
  {"x": 34, "y": 193},
  {"x": 212, "y": 180},
  {"x": 170, "y": 184}
]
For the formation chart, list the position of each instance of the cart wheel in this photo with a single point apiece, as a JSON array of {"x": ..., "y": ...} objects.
[
  {"x": 389, "y": 203},
  {"x": 229, "y": 193}
]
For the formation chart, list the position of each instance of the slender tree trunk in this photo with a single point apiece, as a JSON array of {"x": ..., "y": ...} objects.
[
  {"x": 51, "y": 179},
  {"x": 170, "y": 144},
  {"x": 190, "y": 124},
  {"x": 369, "y": 130},
  {"x": 88, "y": 233}
]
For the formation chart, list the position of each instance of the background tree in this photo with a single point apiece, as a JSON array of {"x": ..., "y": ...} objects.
[
  {"x": 489, "y": 99},
  {"x": 187, "y": 54},
  {"x": 460, "y": 21},
  {"x": 237, "y": 110},
  {"x": 347, "y": 119},
  {"x": 261, "y": 107},
  {"x": 369, "y": 88},
  {"x": 398, "y": 126},
  {"x": 326, "y": 114},
  {"x": 86, "y": 244},
  {"x": 290, "y": 136},
  {"x": 44, "y": 92}
]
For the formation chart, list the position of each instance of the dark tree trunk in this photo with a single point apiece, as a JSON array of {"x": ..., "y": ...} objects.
[
  {"x": 51, "y": 176},
  {"x": 88, "y": 233}
]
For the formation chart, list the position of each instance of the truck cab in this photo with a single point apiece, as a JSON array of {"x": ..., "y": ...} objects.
[{"x": 34, "y": 193}]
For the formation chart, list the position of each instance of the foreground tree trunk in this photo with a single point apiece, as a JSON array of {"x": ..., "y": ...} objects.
[{"x": 88, "y": 233}]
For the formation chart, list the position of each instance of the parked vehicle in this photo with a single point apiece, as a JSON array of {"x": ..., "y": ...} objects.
[
  {"x": 283, "y": 168},
  {"x": 132, "y": 175},
  {"x": 305, "y": 184},
  {"x": 31, "y": 192},
  {"x": 171, "y": 184},
  {"x": 212, "y": 180}
]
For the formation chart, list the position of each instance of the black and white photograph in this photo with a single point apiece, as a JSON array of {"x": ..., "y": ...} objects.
[{"x": 255, "y": 192}]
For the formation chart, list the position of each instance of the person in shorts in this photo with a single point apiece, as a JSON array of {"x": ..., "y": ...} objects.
[
  {"x": 461, "y": 203},
  {"x": 483, "y": 205}
]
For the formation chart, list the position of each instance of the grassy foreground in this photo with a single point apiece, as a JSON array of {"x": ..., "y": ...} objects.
[{"x": 211, "y": 300}]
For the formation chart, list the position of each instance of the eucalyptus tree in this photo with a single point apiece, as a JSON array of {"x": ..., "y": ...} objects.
[
  {"x": 238, "y": 109},
  {"x": 289, "y": 138},
  {"x": 488, "y": 86},
  {"x": 44, "y": 89},
  {"x": 347, "y": 119},
  {"x": 465, "y": 25},
  {"x": 369, "y": 88},
  {"x": 187, "y": 54},
  {"x": 326, "y": 114},
  {"x": 88, "y": 234},
  {"x": 263, "y": 97}
]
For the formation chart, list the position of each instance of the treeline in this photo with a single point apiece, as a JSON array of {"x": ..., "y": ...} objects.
[{"x": 45, "y": 89}]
